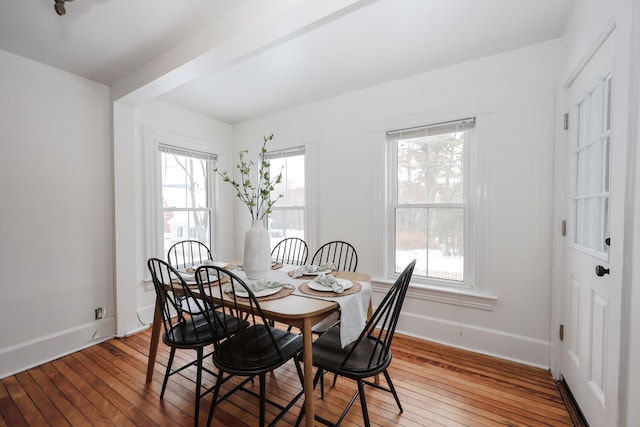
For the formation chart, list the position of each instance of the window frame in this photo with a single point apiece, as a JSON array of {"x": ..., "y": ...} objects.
[
  {"x": 582, "y": 174},
  {"x": 291, "y": 152},
  {"x": 468, "y": 204},
  {"x": 155, "y": 140}
]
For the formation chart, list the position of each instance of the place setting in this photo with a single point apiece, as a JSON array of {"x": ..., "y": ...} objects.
[
  {"x": 263, "y": 289},
  {"x": 324, "y": 285},
  {"x": 189, "y": 276},
  {"x": 312, "y": 271}
]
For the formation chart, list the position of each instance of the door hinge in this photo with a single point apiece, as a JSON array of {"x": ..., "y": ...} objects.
[
  {"x": 566, "y": 121},
  {"x": 564, "y": 227},
  {"x": 561, "y": 332}
]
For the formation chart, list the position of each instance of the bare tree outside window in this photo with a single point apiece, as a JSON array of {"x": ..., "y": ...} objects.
[{"x": 185, "y": 198}]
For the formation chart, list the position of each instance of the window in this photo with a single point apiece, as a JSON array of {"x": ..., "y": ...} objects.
[
  {"x": 186, "y": 199},
  {"x": 590, "y": 198},
  {"x": 429, "y": 211},
  {"x": 287, "y": 218},
  {"x": 179, "y": 185}
]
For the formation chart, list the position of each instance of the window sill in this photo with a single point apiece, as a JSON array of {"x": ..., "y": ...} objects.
[{"x": 458, "y": 297}]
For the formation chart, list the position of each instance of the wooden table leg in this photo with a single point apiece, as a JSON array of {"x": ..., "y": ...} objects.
[
  {"x": 155, "y": 338},
  {"x": 308, "y": 373}
]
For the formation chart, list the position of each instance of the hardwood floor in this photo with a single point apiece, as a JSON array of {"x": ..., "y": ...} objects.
[{"x": 104, "y": 385}]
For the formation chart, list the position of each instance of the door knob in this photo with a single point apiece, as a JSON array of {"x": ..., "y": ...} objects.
[{"x": 601, "y": 271}]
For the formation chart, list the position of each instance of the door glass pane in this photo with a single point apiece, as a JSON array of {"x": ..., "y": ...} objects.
[
  {"x": 581, "y": 173},
  {"x": 594, "y": 221},
  {"x": 605, "y": 167},
  {"x": 591, "y": 159},
  {"x": 596, "y": 183},
  {"x": 607, "y": 122},
  {"x": 583, "y": 121},
  {"x": 596, "y": 119},
  {"x": 580, "y": 222}
]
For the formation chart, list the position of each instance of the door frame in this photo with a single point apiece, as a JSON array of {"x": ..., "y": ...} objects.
[{"x": 626, "y": 109}]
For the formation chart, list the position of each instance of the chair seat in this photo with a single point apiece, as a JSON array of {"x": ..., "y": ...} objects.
[
  {"x": 330, "y": 356},
  {"x": 198, "y": 332},
  {"x": 250, "y": 351}
]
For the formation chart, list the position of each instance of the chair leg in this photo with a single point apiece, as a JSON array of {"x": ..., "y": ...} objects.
[
  {"x": 168, "y": 371},
  {"x": 363, "y": 403},
  {"x": 393, "y": 389},
  {"x": 199, "y": 352},
  {"x": 214, "y": 399},
  {"x": 263, "y": 396}
]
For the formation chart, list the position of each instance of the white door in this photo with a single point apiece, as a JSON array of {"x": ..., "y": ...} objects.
[{"x": 591, "y": 311}]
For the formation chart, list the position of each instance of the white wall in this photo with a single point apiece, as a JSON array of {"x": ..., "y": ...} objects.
[
  {"x": 512, "y": 95},
  {"x": 56, "y": 249}
]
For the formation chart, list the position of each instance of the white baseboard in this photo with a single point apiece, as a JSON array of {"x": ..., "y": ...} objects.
[
  {"x": 29, "y": 354},
  {"x": 513, "y": 347},
  {"x": 507, "y": 346}
]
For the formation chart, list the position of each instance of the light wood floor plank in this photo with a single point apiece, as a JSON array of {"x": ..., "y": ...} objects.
[{"x": 439, "y": 386}]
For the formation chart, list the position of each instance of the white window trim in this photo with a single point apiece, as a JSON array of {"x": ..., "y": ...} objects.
[
  {"x": 466, "y": 204},
  {"x": 310, "y": 191},
  {"x": 481, "y": 295},
  {"x": 153, "y": 139}
]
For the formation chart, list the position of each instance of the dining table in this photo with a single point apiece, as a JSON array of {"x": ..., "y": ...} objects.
[{"x": 302, "y": 308}]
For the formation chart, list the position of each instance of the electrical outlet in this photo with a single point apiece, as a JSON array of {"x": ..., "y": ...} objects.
[{"x": 99, "y": 313}]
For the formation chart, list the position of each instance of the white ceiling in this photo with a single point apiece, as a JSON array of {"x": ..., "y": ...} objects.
[{"x": 367, "y": 43}]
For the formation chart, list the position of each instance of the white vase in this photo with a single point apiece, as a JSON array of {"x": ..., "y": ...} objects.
[{"x": 257, "y": 251}]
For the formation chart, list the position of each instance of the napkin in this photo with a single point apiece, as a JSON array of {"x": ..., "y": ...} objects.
[
  {"x": 260, "y": 285},
  {"x": 188, "y": 277},
  {"x": 330, "y": 282},
  {"x": 310, "y": 269}
]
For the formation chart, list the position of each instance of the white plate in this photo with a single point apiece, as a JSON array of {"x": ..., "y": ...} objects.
[
  {"x": 346, "y": 284},
  {"x": 316, "y": 273},
  {"x": 219, "y": 264},
  {"x": 191, "y": 278},
  {"x": 263, "y": 293}
]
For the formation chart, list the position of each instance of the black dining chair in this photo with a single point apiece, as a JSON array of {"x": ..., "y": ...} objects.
[
  {"x": 340, "y": 253},
  {"x": 369, "y": 354},
  {"x": 188, "y": 253},
  {"x": 344, "y": 256},
  {"x": 291, "y": 250},
  {"x": 251, "y": 352},
  {"x": 184, "y": 330}
]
